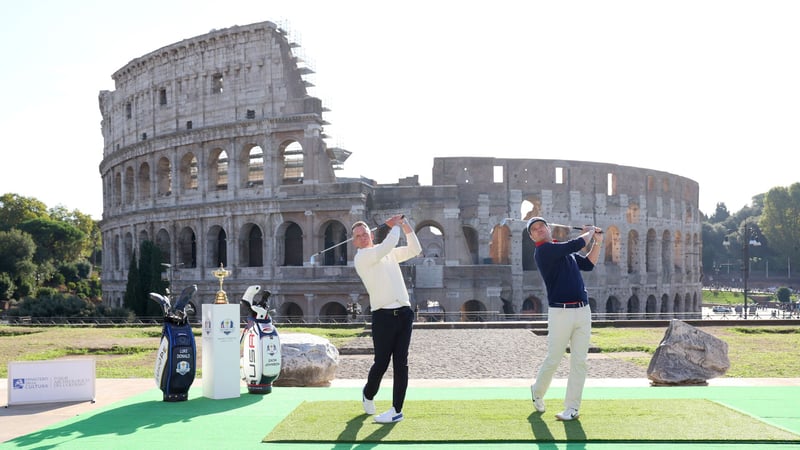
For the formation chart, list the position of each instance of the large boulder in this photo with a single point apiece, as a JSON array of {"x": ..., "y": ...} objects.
[
  {"x": 306, "y": 360},
  {"x": 687, "y": 356}
]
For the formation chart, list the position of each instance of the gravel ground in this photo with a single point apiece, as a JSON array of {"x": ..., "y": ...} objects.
[{"x": 477, "y": 353}]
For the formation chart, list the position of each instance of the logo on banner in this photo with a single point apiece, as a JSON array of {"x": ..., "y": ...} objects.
[{"x": 226, "y": 326}]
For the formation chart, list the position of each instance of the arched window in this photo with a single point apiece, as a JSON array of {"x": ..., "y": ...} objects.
[
  {"x": 255, "y": 167},
  {"x": 187, "y": 248},
  {"x": 293, "y": 246},
  {"x": 293, "y": 164},
  {"x": 188, "y": 172},
  {"x": 164, "y": 177},
  {"x": 251, "y": 253},
  {"x": 144, "y": 181}
]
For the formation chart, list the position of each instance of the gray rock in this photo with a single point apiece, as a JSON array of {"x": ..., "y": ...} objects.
[
  {"x": 687, "y": 356},
  {"x": 306, "y": 360}
]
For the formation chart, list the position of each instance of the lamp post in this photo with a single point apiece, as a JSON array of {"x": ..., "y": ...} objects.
[{"x": 748, "y": 239}]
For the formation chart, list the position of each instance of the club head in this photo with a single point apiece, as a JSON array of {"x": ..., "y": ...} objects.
[
  {"x": 250, "y": 293},
  {"x": 184, "y": 298},
  {"x": 263, "y": 301},
  {"x": 161, "y": 300},
  {"x": 313, "y": 260}
]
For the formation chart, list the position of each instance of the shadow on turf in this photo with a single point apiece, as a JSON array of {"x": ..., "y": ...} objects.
[
  {"x": 128, "y": 419},
  {"x": 541, "y": 431},
  {"x": 350, "y": 432}
]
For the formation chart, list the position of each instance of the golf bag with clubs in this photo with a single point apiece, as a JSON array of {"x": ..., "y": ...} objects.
[
  {"x": 177, "y": 354},
  {"x": 261, "y": 346}
]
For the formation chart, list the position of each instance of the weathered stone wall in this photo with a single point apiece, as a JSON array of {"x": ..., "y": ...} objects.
[{"x": 250, "y": 183}]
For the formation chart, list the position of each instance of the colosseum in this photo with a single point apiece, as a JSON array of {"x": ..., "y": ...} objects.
[{"x": 215, "y": 151}]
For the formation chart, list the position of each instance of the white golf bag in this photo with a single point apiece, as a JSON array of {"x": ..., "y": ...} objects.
[{"x": 261, "y": 346}]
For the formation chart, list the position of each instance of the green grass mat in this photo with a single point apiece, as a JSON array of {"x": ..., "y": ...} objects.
[{"x": 515, "y": 420}]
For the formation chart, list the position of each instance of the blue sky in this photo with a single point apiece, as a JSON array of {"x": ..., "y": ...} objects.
[{"x": 708, "y": 90}]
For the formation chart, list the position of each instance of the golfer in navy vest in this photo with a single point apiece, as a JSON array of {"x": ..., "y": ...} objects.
[
  {"x": 569, "y": 318},
  {"x": 392, "y": 316}
]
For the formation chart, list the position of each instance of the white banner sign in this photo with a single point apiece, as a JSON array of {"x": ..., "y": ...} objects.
[{"x": 65, "y": 380}]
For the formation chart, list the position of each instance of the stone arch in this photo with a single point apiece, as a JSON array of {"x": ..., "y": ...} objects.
[
  {"x": 130, "y": 191},
  {"x": 252, "y": 165},
  {"x": 593, "y": 304},
  {"x": 117, "y": 189},
  {"x": 187, "y": 173},
  {"x": 665, "y": 304},
  {"x": 633, "y": 307},
  {"x": 164, "y": 243},
  {"x": 677, "y": 306},
  {"x": 164, "y": 176},
  {"x": 291, "y": 312},
  {"x": 251, "y": 247},
  {"x": 127, "y": 249},
  {"x": 471, "y": 311},
  {"x": 116, "y": 252},
  {"x": 333, "y": 312},
  {"x": 333, "y": 233},
  {"x": 613, "y": 246},
  {"x": 218, "y": 169},
  {"x": 471, "y": 241},
  {"x": 144, "y": 182},
  {"x": 143, "y": 236},
  {"x": 500, "y": 245},
  {"x": 651, "y": 252},
  {"x": 292, "y": 247},
  {"x": 633, "y": 252},
  {"x": 431, "y": 238},
  {"x": 217, "y": 248},
  {"x": 530, "y": 207},
  {"x": 187, "y": 248},
  {"x": 677, "y": 254},
  {"x": 533, "y": 305},
  {"x": 292, "y": 162},
  {"x": 666, "y": 254},
  {"x": 613, "y": 307},
  {"x": 650, "y": 307}
]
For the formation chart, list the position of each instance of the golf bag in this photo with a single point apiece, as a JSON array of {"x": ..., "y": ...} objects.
[
  {"x": 261, "y": 346},
  {"x": 176, "y": 360}
]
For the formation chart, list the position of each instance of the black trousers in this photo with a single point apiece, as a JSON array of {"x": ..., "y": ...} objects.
[{"x": 391, "y": 337}]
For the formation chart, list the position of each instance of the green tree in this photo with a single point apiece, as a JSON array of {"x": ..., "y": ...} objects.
[
  {"x": 784, "y": 294},
  {"x": 55, "y": 240},
  {"x": 780, "y": 219},
  {"x": 721, "y": 214},
  {"x": 92, "y": 242},
  {"x": 150, "y": 280},
  {"x": 16, "y": 247},
  {"x": 15, "y": 209},
  {"x": 133, "y": 289}
]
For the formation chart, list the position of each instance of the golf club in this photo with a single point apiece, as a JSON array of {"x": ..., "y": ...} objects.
[
  {"x": 313, "y": 259},
  {"x": 506, "y": 221}
]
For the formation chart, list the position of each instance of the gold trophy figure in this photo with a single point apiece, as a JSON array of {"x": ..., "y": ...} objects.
[{"x": 221, "y": 273}]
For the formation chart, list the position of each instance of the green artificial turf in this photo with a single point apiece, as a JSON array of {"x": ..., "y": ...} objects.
[{"x": 648, "y": 420}]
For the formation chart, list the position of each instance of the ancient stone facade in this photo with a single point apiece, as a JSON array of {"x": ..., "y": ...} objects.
[{"x": 215, "y": 151}]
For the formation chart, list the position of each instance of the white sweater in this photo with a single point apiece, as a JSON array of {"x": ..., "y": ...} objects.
[{"x": 379, "y": 269}]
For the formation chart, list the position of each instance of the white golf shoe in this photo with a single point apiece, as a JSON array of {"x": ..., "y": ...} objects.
[
  {"x": 568, "y": 414},
  {"x": 390, "y": 416}
]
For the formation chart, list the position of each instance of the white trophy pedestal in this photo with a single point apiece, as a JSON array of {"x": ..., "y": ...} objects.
[{"x": 221, "y": 372}]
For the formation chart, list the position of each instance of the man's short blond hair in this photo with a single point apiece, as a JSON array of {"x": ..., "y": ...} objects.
[{"x": 360, "y": 223}]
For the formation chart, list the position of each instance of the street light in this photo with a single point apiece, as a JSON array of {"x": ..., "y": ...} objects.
[{"x": 748, "y": 239}]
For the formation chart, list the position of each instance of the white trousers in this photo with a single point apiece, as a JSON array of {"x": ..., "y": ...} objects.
[{"x": 566, "y": 327}]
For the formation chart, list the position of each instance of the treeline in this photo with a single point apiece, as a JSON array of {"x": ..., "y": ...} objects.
[
  {"x": 49, "y": 260},
  {"x": 770, "y": 230}
]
